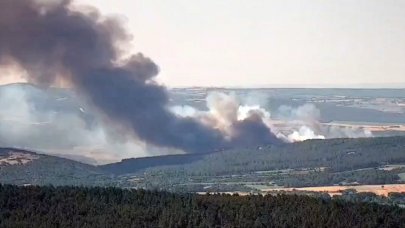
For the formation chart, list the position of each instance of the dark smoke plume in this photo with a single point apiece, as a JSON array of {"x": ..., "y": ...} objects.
[{"x": 51, "y": 41}]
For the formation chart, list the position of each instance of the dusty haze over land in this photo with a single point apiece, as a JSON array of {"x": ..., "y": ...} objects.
[
  {"x": 53, "y": 41},
  {"x": 113, "y": 99}
]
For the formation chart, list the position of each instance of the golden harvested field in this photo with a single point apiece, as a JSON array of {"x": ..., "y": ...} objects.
[
  {"x": 372, "y": 128},
  {"x": 283, "y": 125},
  {"x": 336, "y": 190}
]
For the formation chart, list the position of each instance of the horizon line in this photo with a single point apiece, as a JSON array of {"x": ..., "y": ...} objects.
[
  {"x": 395, "y": 86},
  {"x": 302, "y": 86}
]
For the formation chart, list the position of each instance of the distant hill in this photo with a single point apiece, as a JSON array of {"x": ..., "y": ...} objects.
[
  {"x": 337, "y": 154},
  {"x": 304, "y": 164},
  {"x": 308, "y": 163},
  {"x": 23, "y": 167},
  {"x": 133, "y": 165}
]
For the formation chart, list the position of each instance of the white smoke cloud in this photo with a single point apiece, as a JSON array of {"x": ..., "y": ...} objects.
[
  {"x": 303, "y": 122},
  {"x": 293, "y": 123},
  {"x": 303, "y": 133},
  {"x": 306, "y": 113},
  {"x": 244, "y": 112},
  {"x": 224, "y": 112}
]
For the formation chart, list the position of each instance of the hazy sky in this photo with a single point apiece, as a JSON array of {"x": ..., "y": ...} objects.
[{"x": 265, "y": 42}]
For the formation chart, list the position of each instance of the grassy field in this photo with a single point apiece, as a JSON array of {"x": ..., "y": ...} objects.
[{"x": 337, "y": 190}]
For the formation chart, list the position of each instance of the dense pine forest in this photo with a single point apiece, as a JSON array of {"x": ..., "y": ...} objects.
[{"x": 112, "y": 207}]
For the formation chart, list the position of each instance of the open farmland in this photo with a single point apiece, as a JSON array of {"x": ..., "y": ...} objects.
[{"x": 337, "y": 190}]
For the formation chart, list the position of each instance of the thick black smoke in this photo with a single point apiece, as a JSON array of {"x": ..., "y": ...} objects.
[
  {"x": 252, "y": 132},
  {"x": 51, "y": 41}
]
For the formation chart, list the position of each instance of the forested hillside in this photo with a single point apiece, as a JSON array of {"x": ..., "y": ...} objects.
[
  {"x": 23, "y": 167},
  {"x": 112, "y": 207},
  {"x": 336, "y": 154},
  {"x": 302, "y": 164},
  {"x": 133, "y": 165},
  {"x": 308, "y": 163}
]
